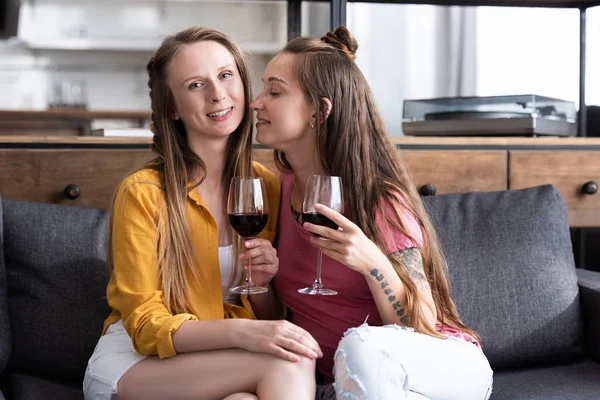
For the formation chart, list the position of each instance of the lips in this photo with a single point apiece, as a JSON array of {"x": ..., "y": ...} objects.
[
  {"x": 220, "y": 113},
  {"x": 261, "y": 122}
]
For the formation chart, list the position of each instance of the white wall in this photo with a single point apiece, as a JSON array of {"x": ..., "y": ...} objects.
[
  {"x": 593, "y": 57},
  {"x": 536, "y": 51}
]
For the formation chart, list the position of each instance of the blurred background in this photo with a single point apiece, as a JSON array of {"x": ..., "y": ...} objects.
[{"x": 85, "y": 54}]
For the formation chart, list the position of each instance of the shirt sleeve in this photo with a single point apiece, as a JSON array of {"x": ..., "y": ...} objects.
[
  {"x": 393, "y": 238},
  {"x": 134, "y": 248}
]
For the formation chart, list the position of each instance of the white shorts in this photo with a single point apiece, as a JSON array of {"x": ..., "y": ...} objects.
[{"x": 113, "y": 356}]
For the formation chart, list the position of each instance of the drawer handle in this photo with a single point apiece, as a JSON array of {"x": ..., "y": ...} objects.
[
  {"x": 590, "y": 187},
  {"x": 427, "y": 190},
  {"x": 72, "y": 192}
]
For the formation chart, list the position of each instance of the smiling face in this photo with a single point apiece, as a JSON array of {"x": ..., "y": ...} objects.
[
  {"x": 284, "y": 115},
  {"x": 207, "y": 90}
]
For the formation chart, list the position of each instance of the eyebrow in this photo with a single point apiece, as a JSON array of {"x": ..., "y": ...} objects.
[
  {"x": 275, "y": 79},
  {"x": 228, "y": 66}
]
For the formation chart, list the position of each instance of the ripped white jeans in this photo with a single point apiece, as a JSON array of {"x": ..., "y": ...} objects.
[{"x": 392, "y": 362}]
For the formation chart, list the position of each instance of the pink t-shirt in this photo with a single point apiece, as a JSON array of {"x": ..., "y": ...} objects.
[{"x": 326, "y": 318}]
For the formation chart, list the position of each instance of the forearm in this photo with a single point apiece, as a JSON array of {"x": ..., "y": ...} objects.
[
  {"x": 389, "y": 294},
  {"x": 209, "y": 335},
  {"x": 266, "y": 305}
]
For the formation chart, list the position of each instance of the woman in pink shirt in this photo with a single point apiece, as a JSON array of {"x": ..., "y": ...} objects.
[{"x": 393, "y": 331}]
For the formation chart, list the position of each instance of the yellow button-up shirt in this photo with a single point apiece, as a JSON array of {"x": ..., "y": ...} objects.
[{"x": 134, "y": 290}]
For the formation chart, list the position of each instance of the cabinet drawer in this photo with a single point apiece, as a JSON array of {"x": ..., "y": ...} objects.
[
  {"x": 569, "y": 172},
  {"x": 43, "y": 175},
  {"x": 453, "y": 171}
]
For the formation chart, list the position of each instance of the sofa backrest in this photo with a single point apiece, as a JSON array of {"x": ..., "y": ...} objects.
[
  {"x": 510, "y": 261},
  {"x": 4, "y": 324},
  {"x": 56, "y": 278},
  {"x": 509, "y": 254}
]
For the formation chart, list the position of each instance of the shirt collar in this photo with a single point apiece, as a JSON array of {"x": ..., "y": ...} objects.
[{"x": 194, "y": 194}]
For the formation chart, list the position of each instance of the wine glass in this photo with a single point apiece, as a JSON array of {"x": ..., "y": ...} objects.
[
  {"x": 326, "y": 190},
  {"x": 248, "y": 213}
]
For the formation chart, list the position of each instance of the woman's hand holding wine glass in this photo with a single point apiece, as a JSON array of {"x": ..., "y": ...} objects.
[
  {"x": 321, "y": 190},
  {"x": 248, "y": 212},
  {"x": 261, "y": 254},
  {"x": 348, "y": 245}
]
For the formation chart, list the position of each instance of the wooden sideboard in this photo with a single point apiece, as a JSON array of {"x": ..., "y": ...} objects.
[
  {"x": 85, "y": 171},
  {"x": 451, "y": 165},
  {"x": 71, "y": 122}
]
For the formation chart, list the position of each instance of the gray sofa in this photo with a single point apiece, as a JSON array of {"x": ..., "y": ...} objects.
[{"x": 511, "y": 267}]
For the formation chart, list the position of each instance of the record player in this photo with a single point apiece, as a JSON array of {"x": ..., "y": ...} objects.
[{"x": 515, "y": 115}]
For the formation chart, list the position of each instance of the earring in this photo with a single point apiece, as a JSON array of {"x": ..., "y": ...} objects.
[{"x": 312, "y": 126}]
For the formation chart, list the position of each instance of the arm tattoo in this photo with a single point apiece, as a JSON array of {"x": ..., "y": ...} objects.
[
  {"x": 391, "y": 298},
  {"x": 412, "y": 261}
]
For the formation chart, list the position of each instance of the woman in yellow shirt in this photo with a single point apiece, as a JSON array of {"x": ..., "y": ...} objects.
[{"x": 172, "y": 333}]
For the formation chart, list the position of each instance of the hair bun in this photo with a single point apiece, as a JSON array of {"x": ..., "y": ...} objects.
[{"x": 343, "y": 40}]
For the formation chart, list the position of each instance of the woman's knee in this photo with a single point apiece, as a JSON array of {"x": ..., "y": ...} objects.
[
  {"x": 366, "y": 344},
  {"x": 304, "y": 366},
  {"x": 357, "y": 348},
  {"x": 282, "y": 374},
  {"x": 362, "y": 357},
  {"x": 352, "y": 369}
]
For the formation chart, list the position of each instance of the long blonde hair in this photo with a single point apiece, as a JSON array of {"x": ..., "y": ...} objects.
[
  {"x": 355, "y": 131},
  {"x": 180, "y": 169}
]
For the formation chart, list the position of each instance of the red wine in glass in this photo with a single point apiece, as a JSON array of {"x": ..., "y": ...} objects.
[
  {"x": 326, "y": 190},
  {"x": 318, "y": 219},
  {"x": 248, "y": 225},
  {"x": 248, "y": 213}
]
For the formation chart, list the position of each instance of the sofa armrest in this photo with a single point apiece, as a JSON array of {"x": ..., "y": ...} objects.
[{"x": 589, "y": 293}]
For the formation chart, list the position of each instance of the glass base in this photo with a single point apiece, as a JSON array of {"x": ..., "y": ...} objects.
[
  {"x": 317, "y": 289},
  {"x": 248, "y": 289}
]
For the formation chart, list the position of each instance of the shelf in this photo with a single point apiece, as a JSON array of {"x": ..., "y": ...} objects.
[
  {"x": 503, "y": 3},
  {"x": 492, "y": 143},
  {"x": 91, "y": 44},
  {"x": 11, "y": 140},
  {"x": 74, "y": 114},
  {"x": 402, "y": 142},
  {"x": 140, "y": 46}
]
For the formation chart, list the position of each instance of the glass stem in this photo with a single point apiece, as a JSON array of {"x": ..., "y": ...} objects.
[
  {"x": 248, "y": 282},
  {"x": 319, "y": 261}
]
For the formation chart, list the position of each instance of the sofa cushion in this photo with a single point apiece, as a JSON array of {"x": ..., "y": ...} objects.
[
  {"x": 512, "y": 272},
  {"x": 4, "y": 325},
  {"x": 589, "y": 293},
  {"x": 579, "y": 381},
  {"x": 325, "y": 392},
  {"x": 29, "y": 387},
  {"x": 57, "y": 277}
]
